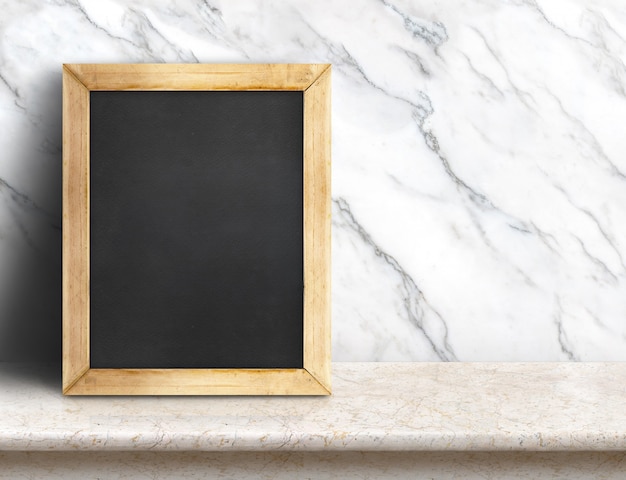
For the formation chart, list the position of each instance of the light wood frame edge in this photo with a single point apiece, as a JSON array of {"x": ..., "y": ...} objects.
[
  {"x": 75, "y": 229},
  {"x": 314, "y": 378},
  {"x": 317, "y": 228}
]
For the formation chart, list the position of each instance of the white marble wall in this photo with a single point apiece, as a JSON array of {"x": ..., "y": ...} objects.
[{"x": 479, "y": 175}]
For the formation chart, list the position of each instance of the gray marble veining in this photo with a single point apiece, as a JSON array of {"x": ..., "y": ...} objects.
[{"x": 479, "y": 179}]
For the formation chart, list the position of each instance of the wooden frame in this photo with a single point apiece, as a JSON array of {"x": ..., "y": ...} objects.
[{"x": 78, "y": 377}]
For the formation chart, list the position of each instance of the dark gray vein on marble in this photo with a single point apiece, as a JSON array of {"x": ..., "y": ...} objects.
[
  {"x": 84, "y": 13},
  {"x": 11, "y": 88},
  {"x": 535, "y": 6},
  {"x": 602, "y": 47},
  {"x": 593, "y": 218},
  {"x": 212, "y": 22},
  {"x": 413, "y": 297},
  {"x": 433, "y": 33},
  {"x": 342, "y": 57},
  {"x": 562, "y": 335},
  {"x": 415, "y": 59},
  {"x": 24, "y": 231},
  {"x": 212, "y": 16},
  {"x": 14, "y": 91},
  {"x": 485, "y": 238},
  {"x": 401, "y": 185},
  {"x": 596, "y": 260},
  {"x": 520, "y": 229},
  {"x": 146, "y": 44},
  {"x": 146, "y": 21},
  {"x": 606, "y": 23},
  {"x": 604, "y": 233},
  {"x": 343, "y": 60},
  {"x": 216, "y": 11},
  {"x": 595, "y": 143},
  {"x": 482, "y": 76},
  {"x": 22, "y": 199},
  {"x": 433, "y": 144},
  {"x": 521, "y": 94},
  {"x": 26, "y": 204},
  {"x": 620, "y": 67},
  {"x": 546, "y": 238},
  {"x": 596, "y": 320}
]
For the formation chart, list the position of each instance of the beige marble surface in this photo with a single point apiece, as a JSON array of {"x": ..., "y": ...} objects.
[
  {"x": 375, "y": 407},
  {"x": 314, "y": 465}
]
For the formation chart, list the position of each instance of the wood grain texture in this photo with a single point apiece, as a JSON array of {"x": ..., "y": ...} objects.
[
  {"x": 317, "y": 229},
  {"x": 197, "y": 76},
  {"x": 197, "y": 382},
  {"x": 314, "y": 378},
  {"x": 75, "y": 229}
]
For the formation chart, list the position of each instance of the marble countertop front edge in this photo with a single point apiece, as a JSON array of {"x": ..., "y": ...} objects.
[{"x": 374, "y": 407}]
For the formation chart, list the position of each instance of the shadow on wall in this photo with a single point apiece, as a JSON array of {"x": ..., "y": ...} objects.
[{"x": 30, "y": 229}]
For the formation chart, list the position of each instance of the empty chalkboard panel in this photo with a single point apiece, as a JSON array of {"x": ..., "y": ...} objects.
[{"x": 196, "y": 229}]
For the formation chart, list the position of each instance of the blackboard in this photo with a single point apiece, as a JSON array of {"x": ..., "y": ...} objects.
[
  {"x": 196, "y": 229},
  {"x": 206, "y": 255}
]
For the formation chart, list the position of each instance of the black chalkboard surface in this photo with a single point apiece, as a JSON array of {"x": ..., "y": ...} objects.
[{"x": 196, "y": 229}]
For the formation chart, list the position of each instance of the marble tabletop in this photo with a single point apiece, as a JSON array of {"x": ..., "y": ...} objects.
[{"x": 374, "y": 407}]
